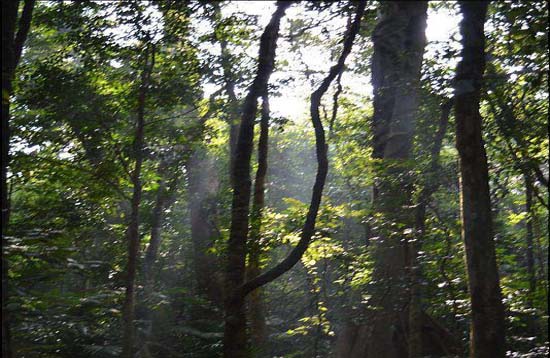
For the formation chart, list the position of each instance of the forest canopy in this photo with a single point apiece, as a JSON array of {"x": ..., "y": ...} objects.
[{"x": 238, "y": 179}]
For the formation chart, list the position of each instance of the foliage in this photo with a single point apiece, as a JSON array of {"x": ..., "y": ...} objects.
[{"x": 72, "y": 135}]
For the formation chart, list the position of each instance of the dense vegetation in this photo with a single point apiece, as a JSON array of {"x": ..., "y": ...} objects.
[{"x": 274, "y": 179}]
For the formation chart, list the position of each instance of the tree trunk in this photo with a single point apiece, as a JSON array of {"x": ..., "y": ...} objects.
[
  {"x": 529, "y": 250},
  {"x": 399, "y": 42},
  {"x": 9, "y": 15},
  {"x": 235, "y": 340},
  {"x": 12, "y": 47},
  {"x": 232, "y": 110},
  {"x": 156, "y": 230},
  {"x": 232, "y": 104},
  {"x": 487, "y": 327},
  {"x": 255, "y": 304},
  {"x": 165, "y": 197},
  {"x": 150, "y": 258},
  {"x": 132, "y": 232}
]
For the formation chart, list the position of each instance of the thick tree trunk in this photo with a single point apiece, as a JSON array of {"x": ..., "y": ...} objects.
[
  {"x": 255, "y": 301},
  {"x": 235, "y": 340},
  {"x": 12, "y": 47},
  {"x": 399, "y": 42},
  {"x": 132, "y": 232},
  {"x": 9, "y": 15},
  {"x": 487, "y": 328}
]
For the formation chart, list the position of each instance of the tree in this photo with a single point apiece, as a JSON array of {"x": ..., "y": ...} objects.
[
  {"x": 14, "y": 34},
  {"x": 237, "y": 293},
  {"x": 487, "y": 328},
  {"x": 354, "y": 243},
  {"x": 133, "y": 235},
  {"x": 235, "y": 341},
  {"x": 255, "y": 304},
  {"x": 399, "y": 42}
]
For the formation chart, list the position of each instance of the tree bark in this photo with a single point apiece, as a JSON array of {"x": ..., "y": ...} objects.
[
  {"x": 13, "y": 39},
  {"x": 487, "y": 327},
  {"x": 399, "y": 42},
  {"x": 235, "y": 340},
  {"x": 255, "y": 300},
  {"x": 232, "y": 110},
  {"x": 132, "y": 232},
  {"x": 232, "y": 104},
  {"x": 529, "y": 236},
  {"x": 162, "y": 198}
]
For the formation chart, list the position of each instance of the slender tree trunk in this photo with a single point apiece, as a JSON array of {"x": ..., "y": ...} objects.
[
  {"x": 165, "y": 197},
  {"x": 255, "y": 304},
  {"x": 529, "y": 236},
  {"x": 156, "y": 230},
  {"x": 232, "y": 110},
  {"x": 235, "y": 340},
  {"x": 13, "y": 39},
  {"x": 232, "y": 104},
  {"x": 132, "y": 232},
  {"x": 542, "y": 260},
  {"x": 335, "y": 96},
  {"x": 487, "y": 328},
  {"x": 149, "y": 260}
]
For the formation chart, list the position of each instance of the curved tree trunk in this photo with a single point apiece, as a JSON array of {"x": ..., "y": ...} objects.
[
  {"x": 487, "y": 327},
  {"x": 308, "y": 228}
]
